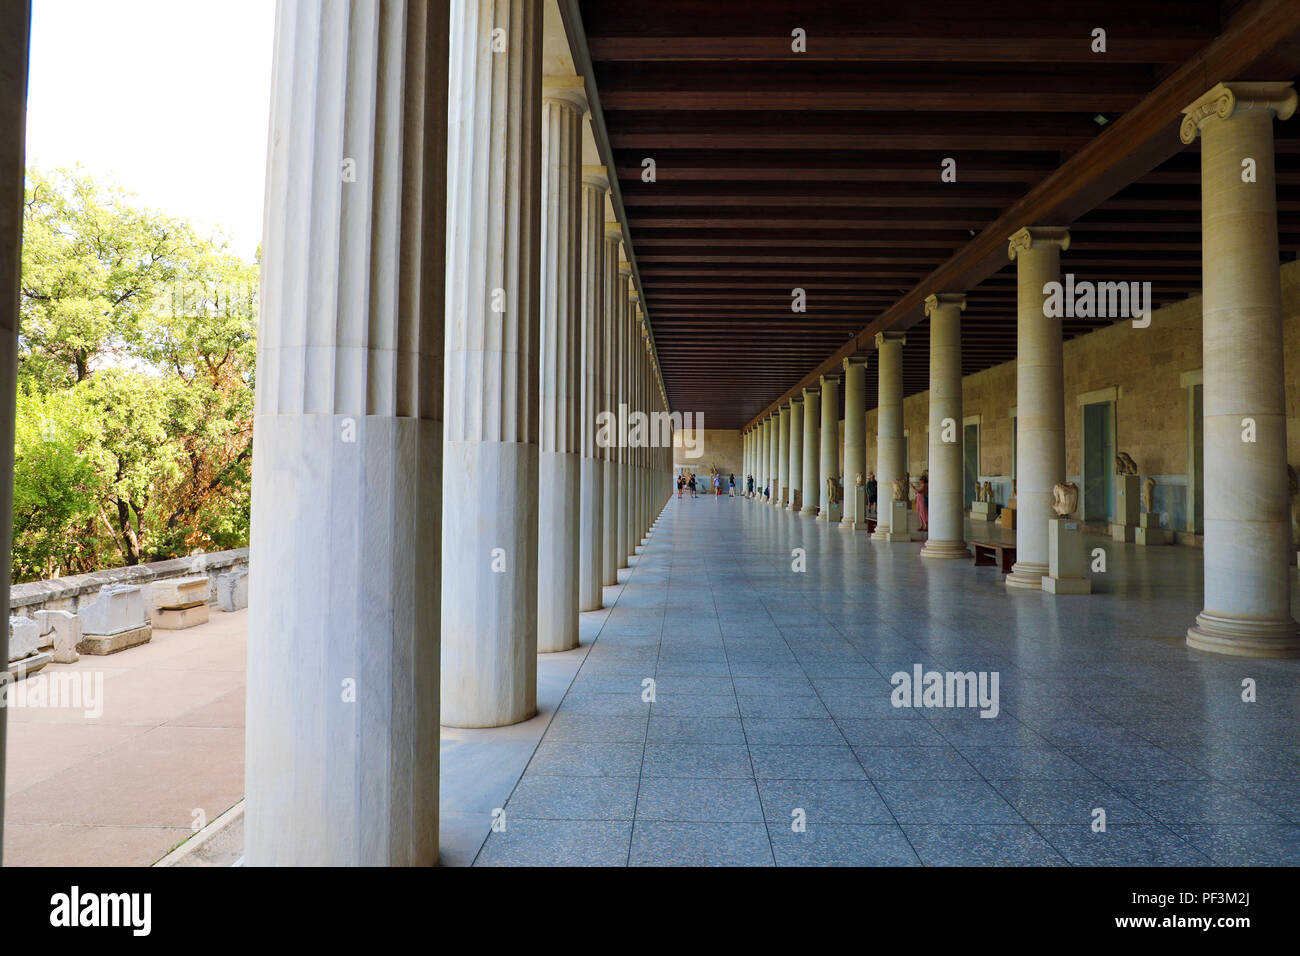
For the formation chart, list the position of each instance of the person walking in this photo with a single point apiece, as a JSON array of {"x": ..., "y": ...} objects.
[
  {"x": 690, "y": 484},
  {"x": 749, "y": 489},
  {"x": 717, "y": 485},
  {"x": 731, "y": 490},
  {"x": 680, "y": 482}
]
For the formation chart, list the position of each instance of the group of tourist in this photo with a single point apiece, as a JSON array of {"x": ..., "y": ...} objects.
[
  {"x": 872, "y": 489},
  {"x": 689, "y": 482}
]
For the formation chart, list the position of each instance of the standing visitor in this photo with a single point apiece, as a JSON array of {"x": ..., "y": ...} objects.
[
  {"x": 731, "y": 489},
  {"x": 680, "y": 482},
  {"x": 922, "y": 489},
  {"x": 690, "y": 484},
  {"x": 717, "y": 485},
  {"x": 871, "y": 492}
]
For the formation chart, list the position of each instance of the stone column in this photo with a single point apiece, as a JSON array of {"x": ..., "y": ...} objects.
[
  {"x": 796, "y": 452},
  {"x": 610, "y": 312},
  {"x": 559, "y": 463},
  {"x": 1040, "y": 399},
  {"x": 624, "y": 397},
  {"x": 489, "y": 657},
  {"x": 773, "y": 455},
  {"x": 13, "y": 135},
  {"x": 591, "y": 555},
  {"x": 812, "y": 455},
  {"x": 1247, "y": 529},
  {"x": 889, "y": 431},
  {"x": 342, "y": 705},
  {"x": 855, "y": 438},
  {"x": 634, "y": 405},
  {"x": 782, "y": 454},
  {"x": 830, "y": 440},
  {"x": 946, "y": 457}
]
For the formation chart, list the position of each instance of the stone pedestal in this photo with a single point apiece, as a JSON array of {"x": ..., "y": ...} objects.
[
  {"x": 1128, "y": 499},
  {"x": 179, "y": 603},
  {"x": 897, "y": 515},
  {"x": 832, "y": 513},
  {"x": 983, "y": 511},
  {"x": 232, "y": 590},
  {"x": 1149, "y": 532},
  {"x": 64, "y": 631},
  {"x": 178, "y": 618},
  {"x": 855, "y": 518},
  {"x": 1065, "y": 558},
  {"x": 1007, "y": 516},
  {"x": 24, "y": 637}
]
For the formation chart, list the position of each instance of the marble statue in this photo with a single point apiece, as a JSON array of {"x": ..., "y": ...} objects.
[
  {"x": 1149, "y": 495},
  {"x": 988, "y": 491},
  {"x": 1293, "y": 486},
  {"x": 1065, "y": 498},
  {"x": 1125, "y": 465},
  {"x": 979, "y": 492},
  {"x": 832, "y": 491},
  {"x": 900, "y": 489},
  {"x": 860, "y": 481}
]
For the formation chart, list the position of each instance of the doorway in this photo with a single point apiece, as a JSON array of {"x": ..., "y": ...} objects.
[
  {"x": 1098, "y": 454},
  {"x": 970, "y": 462}
]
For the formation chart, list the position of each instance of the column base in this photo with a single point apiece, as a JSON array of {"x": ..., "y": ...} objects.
[
  {"x": 809, "y": 510},
  {"x": 944, "y": 549},
  {"x": 1027, "y": 576},
  {"x": 1241, "y": 637}
]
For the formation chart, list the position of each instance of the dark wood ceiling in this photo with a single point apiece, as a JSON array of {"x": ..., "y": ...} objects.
[{"x": 820, "y": 170}]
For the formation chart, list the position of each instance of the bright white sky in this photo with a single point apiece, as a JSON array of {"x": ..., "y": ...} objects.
[{"x": 170, "y": 98}]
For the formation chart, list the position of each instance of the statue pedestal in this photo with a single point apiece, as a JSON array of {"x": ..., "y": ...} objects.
[
  {"x": 982, "y": 511},
  {"x": 1122, "y": 532},
  {"x": 855, "y": 515},
  {"x": 1065, "y": 558},
  {"x": 1149, "y": 531},
  {"x": 832, "y": 513},
  {"x": 1128, "y": 507},
  {"x": 796, "y": 501},
  {"x": 898, "y": 530},
  {"x": 1007, "y": 518}
]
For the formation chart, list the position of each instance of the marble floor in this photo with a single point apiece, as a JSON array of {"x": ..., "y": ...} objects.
[{"x": 771, "y": 738}]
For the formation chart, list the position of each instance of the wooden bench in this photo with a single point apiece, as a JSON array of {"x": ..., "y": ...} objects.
[{"x": 1001, "y": 554}]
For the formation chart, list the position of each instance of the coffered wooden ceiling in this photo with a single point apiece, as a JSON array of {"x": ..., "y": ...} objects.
[{"x": 820, "y": 170}]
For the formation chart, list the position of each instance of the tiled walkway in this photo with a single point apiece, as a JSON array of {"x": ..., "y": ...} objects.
[{"x": 772, "y": 705}]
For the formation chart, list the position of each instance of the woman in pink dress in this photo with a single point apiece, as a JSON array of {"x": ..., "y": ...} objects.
[{"x": 922, "y": 489}]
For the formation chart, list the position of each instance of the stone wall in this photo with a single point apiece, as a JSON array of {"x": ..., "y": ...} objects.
[
  {"x": 720, "y": 450},
  {"x": 67, "y": 594}
]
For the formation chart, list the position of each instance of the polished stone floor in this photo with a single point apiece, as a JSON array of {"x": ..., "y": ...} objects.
[{"x": 771, "y": 708}]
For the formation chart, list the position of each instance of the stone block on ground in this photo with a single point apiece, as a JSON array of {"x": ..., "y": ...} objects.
[
  {"x": 24, "y": 638},
  {"x": 232, "y": 590},
  {"x": 179, "y": 618},
  {"x": 18, "y": 670},
  {"x": 118, "y": 608},
  {"x": 64, "y": 628},
  {"x": 179, "y": 592},
  {"x": 97, "y": 645}
]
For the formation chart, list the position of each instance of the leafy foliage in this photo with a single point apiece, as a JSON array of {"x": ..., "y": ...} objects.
[{"x": 136, "y": 353}]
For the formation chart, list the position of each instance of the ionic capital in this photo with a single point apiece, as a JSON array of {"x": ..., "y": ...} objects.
[
  {"x": 598, "y": 176},
  {"x": 933, "y": 302},
  {"x": 883, "y": 337},
  {"x": 1036, "y": 237},
  {"x": 811, "y": 391},
  {"x": 1224, "y": 100},
  {"x": 852, "y": 361}
]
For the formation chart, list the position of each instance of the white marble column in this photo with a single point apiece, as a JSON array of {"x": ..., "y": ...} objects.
[
  {"x": 812, "y": 453},
  {"x": 622, "y": 410},
  {"x": 489, "y": 653},
  {"x": 795, "y": 467},
  {"x": 591, "y": 554},
  {"x": 1247, "y": 528},
  {"x": 341, "y": 746},
  {"x": 782, "y": 455},
  {"x": 559, "y": 480},
  {"x": 946, "y": 457},
  {"x": 830, "y": 441},
  {"x": 610, "y": 312},
  {"x": 1040, "y": 398},
  {"x": 889, "y": 431},
  {"x": 13, "y": 135},
  {"x": 855, "y": 438},
  {"x": 773, "y": 453},
  {"x": 633, "y": 401}
]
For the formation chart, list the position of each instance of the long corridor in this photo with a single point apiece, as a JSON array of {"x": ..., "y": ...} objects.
[{"x": 736, "y": 709}]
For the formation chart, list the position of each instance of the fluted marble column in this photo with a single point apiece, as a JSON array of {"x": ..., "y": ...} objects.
[
  {"x": 1247, "y": 528},
  {"x": 489, "y": 653},
  {"x": 591, "y": 554},
  {"x": 559, "y": 479},
  {"x": 624, "y": 397},
  {"x": 782, "y": 455},
  {"x": 342, "y": 706},
  {"x": 889, "y": 431},
  {"x": 628, "y": 517},
  {"x": 1040, "y": 398},
  {"x": 946, "y": 458},
  {"x": 765, "y": 455},
  {"x": 855, "y": 438},
  {"x": 830, "y": 441},
  {"x": 609, "y": 389},
  {"x": 812, "y": 453},
  {"x": 14, "y": 49},
  {"x": 795, "y": 467}
]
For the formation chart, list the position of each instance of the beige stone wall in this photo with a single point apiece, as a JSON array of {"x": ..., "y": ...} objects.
[{"x": 720, "y": 448}]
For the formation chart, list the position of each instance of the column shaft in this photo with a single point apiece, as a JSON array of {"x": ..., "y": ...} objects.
[
  {"x": 830, "y": 441},
  {"x": 343, "y": 616},
  {"x": 946, "y": 458},
  {"x": 494, "y": 166},
  {"x": 812, "y": 455},
  {"x": 1247, "y": 529},
  {"x": 855, "y": 438},
  {"x": 782, "y": 455},
  {"x": 1040, "y": 399},
  {"x": 795, "y": 467},
  {"x": 889, "y": 432},
  {"x": 609, "y": 390},
  {"x": 591, "y": 553}
]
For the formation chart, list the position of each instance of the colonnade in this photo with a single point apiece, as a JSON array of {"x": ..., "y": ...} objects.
[{"x": 1247, "y": 531}]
